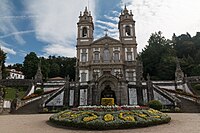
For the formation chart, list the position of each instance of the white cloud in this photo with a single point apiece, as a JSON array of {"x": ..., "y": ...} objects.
[
  {"x": 17, "y": 17},
  {"x": 109, "y": 24},
  {"x": 58, "y": 49},
  {"x": 8, "y": 50},
  {"x": 17, "y": 33},
  {"x": 56, "y": 22},
  {"x": 7, "y": 26},
  {"x": 111, "y": 18},
  {"x": 168, "y": 16}
]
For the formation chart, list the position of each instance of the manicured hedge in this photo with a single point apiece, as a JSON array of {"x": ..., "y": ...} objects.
[
  {"x": 155, "y": 104},
  {"x": 103, "y": 120}
]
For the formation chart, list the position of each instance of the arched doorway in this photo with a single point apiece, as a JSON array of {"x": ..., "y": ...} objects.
[
  {"x": 108, "y": 93},
  {"x": 107, "y": 87}
]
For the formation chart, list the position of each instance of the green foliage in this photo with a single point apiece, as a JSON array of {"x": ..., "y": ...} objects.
[
  {"x": 10, "y": 93},
  {"x": 188, "y": 50},
  {"x": 17, "y": 67},
  {"x": 39, "y": 91},
  {"x": 61, "y": 66},
  {"x": 50, "y": 67},
  {"x": 158, "y": 58},
  {"x": 155, "y": 104},
  {"x": 54, "y": 70},
  {"x": 30, "y": 65},
  {"x": 45, "y": 67},
  {"x": 2, "y": 63},
  {"x": 197, "y": 87}
]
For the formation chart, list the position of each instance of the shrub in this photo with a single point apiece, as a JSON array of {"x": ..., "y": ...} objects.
[
  {"x": 155, "y": 104},
  {"x": 39, "y": 91},
  {"x": 177, "y": 109},
  {"x": 197, "y": 86}
]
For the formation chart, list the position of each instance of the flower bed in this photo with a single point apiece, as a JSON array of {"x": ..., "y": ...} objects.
[{"x": 109, "y": 119}]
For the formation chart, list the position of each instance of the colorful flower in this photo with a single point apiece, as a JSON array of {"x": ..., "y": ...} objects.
[
  {"x": 108, "y": 117},
  {"x": 124, "y": 116}
]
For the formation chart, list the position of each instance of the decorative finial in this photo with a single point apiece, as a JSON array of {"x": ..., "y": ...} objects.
[
  {"x": 131, "y": 12},
  {"x": 86, "y": 11},
  {"x": 125, "y": 7},
  {"x": 148, "y": 77},
  {"x": 67, "y": 78},
  {"x": 125, "y": 10}
]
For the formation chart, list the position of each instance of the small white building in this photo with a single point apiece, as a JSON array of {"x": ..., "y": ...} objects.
[{"x": 13, "y": 74}]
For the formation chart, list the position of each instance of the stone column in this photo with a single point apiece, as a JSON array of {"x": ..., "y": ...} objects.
[
  {"x": 140, "y": 96},
  {"x": 95, "y": 95},
  {"x": 150, "y": 95},
  {"x": 90, "y": 95},
  {"x": 77, "y": 94},
  {"x": 124, "y": 93},
  {"x": 66, "y": 92}
]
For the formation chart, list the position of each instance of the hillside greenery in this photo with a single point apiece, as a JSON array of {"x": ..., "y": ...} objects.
[
  {"x": 160, "y": 56},
  {"x": 51, "y": 67}
]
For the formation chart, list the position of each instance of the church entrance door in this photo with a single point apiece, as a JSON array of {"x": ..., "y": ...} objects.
[{"x": 108, "y": 93}]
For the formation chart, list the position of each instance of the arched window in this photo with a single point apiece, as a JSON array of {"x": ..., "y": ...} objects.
[
  {"x": 116, "y": 56},
  {"x": 106, "y": 55},
  {"x": 96, "y": 57},
  {"x": 83, "y": 55},
  {"x": 127, "y": 30},
  {"x": 83, "y": 76},
  {"x": 84, "y": 32}
]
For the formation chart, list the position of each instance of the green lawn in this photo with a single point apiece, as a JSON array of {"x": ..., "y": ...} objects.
[
  {"x": 10, "y": 93},
  {"x": 195, "y": 89}
]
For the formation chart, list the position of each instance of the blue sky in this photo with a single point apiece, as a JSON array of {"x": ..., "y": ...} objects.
[{"x": 48, "y": 27}]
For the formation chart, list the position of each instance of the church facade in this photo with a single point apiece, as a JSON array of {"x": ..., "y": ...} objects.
[{"x": 106, "y": 61}]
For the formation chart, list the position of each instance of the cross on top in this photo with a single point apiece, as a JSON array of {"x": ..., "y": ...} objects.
[{"x": 106, "y": 32}]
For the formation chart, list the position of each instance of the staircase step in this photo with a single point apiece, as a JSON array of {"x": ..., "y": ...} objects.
[{"x": 188, "y": 106}]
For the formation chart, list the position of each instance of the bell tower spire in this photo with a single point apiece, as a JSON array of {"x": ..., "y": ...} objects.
[
  {"x": 127, "y": 36},
  {"x": 85, "y": 27},
  {"x": 126, "y": 26}
]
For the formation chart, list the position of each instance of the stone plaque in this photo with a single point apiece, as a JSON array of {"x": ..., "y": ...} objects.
[
  {"x": 83, "y": 97},
  {"x": 144, "y": 91},
  {"x": 57, "y": 101},
  {"x": 132, "y": 96},
  {"x": 71, "y": 98},
  {"x": 162, "y": 99}
]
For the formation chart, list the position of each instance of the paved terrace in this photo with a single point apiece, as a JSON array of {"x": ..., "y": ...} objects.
[{"x": 180, "y": 123}]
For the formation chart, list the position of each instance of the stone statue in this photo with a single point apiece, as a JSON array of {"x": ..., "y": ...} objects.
[
  {"x": 108, "y": 93},
  {"x": 2, "y": 93}
]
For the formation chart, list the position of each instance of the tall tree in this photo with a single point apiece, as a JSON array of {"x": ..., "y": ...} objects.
[
  {"x": 17, "y": 66},
  {"x": 188, "y": 49},
  {"x": 54, "y": 70},
  {"x": 2, "y": 63},
  {"x": 45, "y": 67},
  {"x": 30, "y": 65},
  {"x": 158, "y": 58}
]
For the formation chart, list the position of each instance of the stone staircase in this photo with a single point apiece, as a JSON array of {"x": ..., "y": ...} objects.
[
  {"x": 188, "y": 106},
  {"x": 30, "y": 108}
]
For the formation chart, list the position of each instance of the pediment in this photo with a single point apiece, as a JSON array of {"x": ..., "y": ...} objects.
[{"x": 106, "y": 39}]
